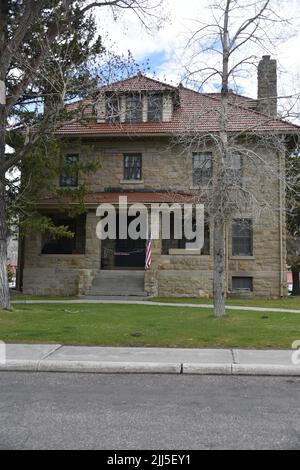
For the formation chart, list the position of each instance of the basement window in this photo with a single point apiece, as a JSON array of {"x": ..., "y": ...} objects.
[{"x": 242, "y": 284}]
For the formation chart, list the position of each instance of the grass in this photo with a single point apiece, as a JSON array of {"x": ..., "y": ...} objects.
[
  {"x": 114, "y": 325},
  {"x": 289, "y": 302}
]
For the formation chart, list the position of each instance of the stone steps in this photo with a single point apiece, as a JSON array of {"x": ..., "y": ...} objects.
[{"x": 118, "y": 284}]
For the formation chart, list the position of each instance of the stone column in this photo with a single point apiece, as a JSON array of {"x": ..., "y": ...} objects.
[
  {"x": 93, "y": 244},
  {"x": 157, "y": 244}
]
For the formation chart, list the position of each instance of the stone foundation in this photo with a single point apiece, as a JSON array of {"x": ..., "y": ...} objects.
[{"x": 50, "y": 281}]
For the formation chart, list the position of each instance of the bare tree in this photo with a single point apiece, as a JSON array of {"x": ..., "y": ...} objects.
[
  {"x": 220, "y": 53},
  {"x": 29, "y": 31},
  {"x": 293, "y": 219}
]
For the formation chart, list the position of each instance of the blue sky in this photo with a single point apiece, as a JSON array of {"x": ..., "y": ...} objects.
[{"x": 165, "y": 48}]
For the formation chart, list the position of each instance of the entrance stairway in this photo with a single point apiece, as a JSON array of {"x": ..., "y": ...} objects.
[{"x": 118, "y": 284}]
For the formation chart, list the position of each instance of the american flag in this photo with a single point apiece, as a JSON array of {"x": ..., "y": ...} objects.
[{"x": 148, "y": 258}]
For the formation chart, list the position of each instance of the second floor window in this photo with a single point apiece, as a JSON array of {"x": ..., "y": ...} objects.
[
  {"x": 242, "y": 237},
  {"x": 234, "y": 169},
  {"x": 202, "y": 168},
  {"x": 133, "y": 166},
  {"x": 69, "y": 176},
  {"x": 134, "y": 110},
  {"x": 155, "y": 105}
]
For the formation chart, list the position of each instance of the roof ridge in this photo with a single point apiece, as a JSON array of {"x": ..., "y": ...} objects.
[
  {"x": 139, "y": 75},
  {"x": 232, "y": 94}
]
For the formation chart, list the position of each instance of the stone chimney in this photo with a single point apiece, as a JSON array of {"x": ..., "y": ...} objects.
[{"x": 267, "y": 86}]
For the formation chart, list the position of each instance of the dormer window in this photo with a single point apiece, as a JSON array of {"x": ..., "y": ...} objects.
[
  {"x": 113, "y": 108},
  {"x": 125, "y": 106},
  {"x": 155, "y": 107},
  {"x": 134, "y": 107}
]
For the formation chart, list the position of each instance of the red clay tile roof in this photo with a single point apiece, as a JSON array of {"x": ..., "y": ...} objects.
[
  {"x": 132, "y": 197},
  {"x": 198, "y": 112},
  {"x": 139, "y": 83}
]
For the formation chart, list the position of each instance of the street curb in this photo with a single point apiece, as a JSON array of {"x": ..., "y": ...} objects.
[
  {"x": 109, "y": 367},
  {"x": 266, "y": 369},
  {"x": 149, "y": 368},
  {"x": 19, "y": 365},
  {"x": 207, "y": 369}
]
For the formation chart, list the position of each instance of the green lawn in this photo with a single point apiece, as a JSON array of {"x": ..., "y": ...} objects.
[
  {"x": 289, "y": 303},
  {"x": 114, "y": 325}
]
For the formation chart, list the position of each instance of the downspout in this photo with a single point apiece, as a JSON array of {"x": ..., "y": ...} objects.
[
  {"x": 226, "y": 261},
  {"x": 281, "y": 208},
  {"x": 20, "y": 264}
]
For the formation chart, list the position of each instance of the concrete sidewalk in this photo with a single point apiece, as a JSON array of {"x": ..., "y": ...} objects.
[
  {"x": 153, "y": 303},
  {"x": 57, "y": 358}
]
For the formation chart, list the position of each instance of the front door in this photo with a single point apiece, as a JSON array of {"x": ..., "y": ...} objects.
[
  {"x": 118, "y": 254},
  {"x": 130, "y": 253}
]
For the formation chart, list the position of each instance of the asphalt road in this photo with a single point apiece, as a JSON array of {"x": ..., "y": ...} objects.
[{"x": 80, "y": 411}]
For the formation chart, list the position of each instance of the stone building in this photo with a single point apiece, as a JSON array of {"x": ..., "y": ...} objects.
[{"x": 132, "y": 131}]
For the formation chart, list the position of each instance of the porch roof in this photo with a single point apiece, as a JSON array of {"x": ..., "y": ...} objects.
[{"x": 96, "y": 198}]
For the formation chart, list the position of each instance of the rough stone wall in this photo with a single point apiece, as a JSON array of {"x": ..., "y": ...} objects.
[
  {"x": 165, "y": 167},
  {"x": 267, "y": 86},
  {"x": 61, "y": 274}
]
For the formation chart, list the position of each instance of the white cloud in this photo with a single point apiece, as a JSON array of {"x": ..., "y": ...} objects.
[
  {"x": 9, "y": 150},
  {"x": 183, "y": 17}
]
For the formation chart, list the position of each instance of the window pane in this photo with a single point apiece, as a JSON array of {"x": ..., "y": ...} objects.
[
  {"x": 155, "y": 104},
  {"x": 234, "y": 168},
  {"x": 132, "y": 166},
  {"x": 202, "y": 169},
  {"x": 242, "y": 283},
  {"x": 134, "y": 108},
  {"x": 242, "y": 237},
  {"x": 112, "y": 108},
  {"x": 69, "y": 178}
]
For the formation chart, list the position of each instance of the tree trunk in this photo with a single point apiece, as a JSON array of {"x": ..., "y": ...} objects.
[
  {"x": 4, "y": 289},
  {"x": 219, "y": 267},
  {"x": 219, "y": 195},
  {"x": 296, "y": 283}
]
